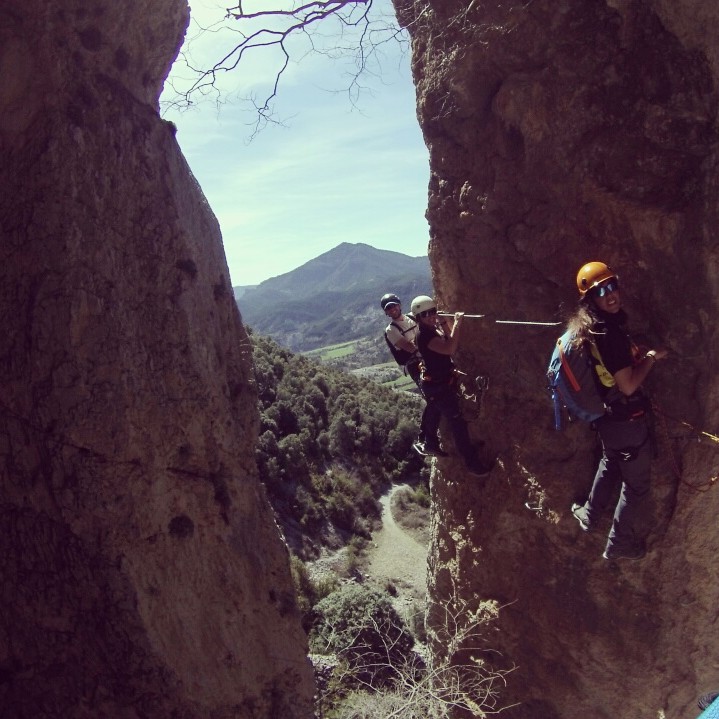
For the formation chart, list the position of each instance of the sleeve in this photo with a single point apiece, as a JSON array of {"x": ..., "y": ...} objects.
[{"x": 393, "y": 333}]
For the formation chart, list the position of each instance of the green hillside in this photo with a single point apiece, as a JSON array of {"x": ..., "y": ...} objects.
[
  {"x": 333, "y": 298},
  {"x": 330, "y": 443}
]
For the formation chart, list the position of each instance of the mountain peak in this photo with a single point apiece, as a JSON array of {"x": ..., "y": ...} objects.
[
  {"x": 320, "y": 301},
  {"x": 343, "y": 267}
]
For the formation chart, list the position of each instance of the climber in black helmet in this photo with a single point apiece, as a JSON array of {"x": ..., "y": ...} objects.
[
  {"x": 623, "y": 429},
  {"x": 438, "y": 339},
  {"x": 402, "y": 332}
]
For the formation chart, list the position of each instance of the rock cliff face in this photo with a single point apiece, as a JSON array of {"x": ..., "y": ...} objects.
[
  {"x": 562, "y": 132},
  {"x": 142, "y": 572}
]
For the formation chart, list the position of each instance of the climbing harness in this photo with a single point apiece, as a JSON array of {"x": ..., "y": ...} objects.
[{"x": 471, "y": 390}]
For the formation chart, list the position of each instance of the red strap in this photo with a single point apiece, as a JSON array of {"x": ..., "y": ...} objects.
[{"x": 567, "y": 369}]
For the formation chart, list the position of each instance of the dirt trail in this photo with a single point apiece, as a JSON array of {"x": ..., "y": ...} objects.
[
  {"x": 396, "y": 556},
  {"x": 393, "y": 557}
]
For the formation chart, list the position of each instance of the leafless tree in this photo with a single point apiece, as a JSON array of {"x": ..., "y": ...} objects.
[
  {"x": 350, "y": 30},
  {"x": 461, "y": 680}
]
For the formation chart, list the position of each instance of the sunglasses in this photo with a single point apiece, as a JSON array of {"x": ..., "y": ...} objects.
[
  {"x": 605, "y": 289},
  {"x": 428, "y": 313}
]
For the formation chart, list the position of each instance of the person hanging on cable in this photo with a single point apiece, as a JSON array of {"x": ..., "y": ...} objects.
[
  {"x": 438, "y": 340},
  {"x": 623, "y": 429},
  {"x": 401, "y": 337}
]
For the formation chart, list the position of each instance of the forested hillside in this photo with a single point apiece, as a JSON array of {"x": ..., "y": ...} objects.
[
  {"x": 334, "y": 297},
  {"x": 329, "y": 444}
]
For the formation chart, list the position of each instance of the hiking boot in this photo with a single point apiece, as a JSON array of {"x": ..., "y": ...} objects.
[
  {"x": 424, "y": 450},
  {"x": 706, "y": 700},
  {"x": 637, "y": 552},
  {"x": 580, "y": 514},
  {"x": 419, "y": 448}
]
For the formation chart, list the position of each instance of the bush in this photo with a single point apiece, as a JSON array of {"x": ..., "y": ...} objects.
[
  {"x": 421, "y": 496},
  {"x": 329, "y": 443},
  {"x": 459, "y": 683},
  {"x": 362, "y": 628},
  {"x": 308, "y": 591},
  {"x": 304, "y": 588}
]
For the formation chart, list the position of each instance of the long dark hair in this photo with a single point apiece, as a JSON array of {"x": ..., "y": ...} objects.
[{"x": 582, "y": 323}]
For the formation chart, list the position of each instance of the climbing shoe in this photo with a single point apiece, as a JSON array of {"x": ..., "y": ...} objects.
[
  {"x": 425, "y": 450},
  {"x": 637, "y": 552},
  {"x": 419, "y": 448},
  {"x": 580, "y": 514}
]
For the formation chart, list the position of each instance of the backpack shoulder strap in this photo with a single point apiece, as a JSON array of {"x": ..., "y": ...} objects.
[
  {"x": 392, "y": 324},
  {"x": 566, "y": 367}
]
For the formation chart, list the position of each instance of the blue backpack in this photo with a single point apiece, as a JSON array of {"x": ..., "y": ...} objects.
[
  {"x": 573, "y": 380},
  {"x": 710, "y": 704}
]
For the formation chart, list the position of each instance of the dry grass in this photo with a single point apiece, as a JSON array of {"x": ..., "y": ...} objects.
[{"x": 410, "y": 509}]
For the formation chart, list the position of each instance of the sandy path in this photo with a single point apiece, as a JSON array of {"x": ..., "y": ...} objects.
[{"x": 396, "y": 556}]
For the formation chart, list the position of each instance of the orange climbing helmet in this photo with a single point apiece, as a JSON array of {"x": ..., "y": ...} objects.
[{"x": 591, "y": 275}]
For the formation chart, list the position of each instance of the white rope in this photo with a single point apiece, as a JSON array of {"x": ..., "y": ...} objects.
[
  {"x": 521, "y": 322},
  {"x": 503, "y": 322}
]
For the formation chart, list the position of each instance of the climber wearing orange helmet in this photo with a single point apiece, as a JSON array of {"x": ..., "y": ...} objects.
[{"x": 623, "y": 429}]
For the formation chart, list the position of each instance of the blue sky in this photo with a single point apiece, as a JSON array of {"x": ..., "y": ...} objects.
[{"x": 334, "y": 172}]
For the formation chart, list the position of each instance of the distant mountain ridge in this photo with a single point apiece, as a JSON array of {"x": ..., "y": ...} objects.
[{"x": 334, "y": 297}]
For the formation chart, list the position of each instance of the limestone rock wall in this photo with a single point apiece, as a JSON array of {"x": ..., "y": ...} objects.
[
  {"x": 561, "y": 132},
  {"x": 142, "y": 572}
]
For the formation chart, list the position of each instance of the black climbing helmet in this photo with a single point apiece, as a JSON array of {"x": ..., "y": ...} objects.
[{"x": 389, "y": 299}]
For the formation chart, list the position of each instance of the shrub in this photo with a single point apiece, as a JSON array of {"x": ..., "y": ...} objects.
[
  {"x": 459, "y": 683},
  {"x": 308, "y": 591},
  {"x": 304, "y": 589},
  {"x": 362, "y": 628}
]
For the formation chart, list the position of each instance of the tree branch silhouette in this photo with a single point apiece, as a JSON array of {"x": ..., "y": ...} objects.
[{"x": 336, "y": 29}]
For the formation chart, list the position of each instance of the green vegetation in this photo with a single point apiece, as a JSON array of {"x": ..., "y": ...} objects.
[
  {"x": 357, "y": 354},
  {"x": 360, "y": 626},
  {"x": 411, "y": 508},
  {"x": 365, "y": 358},
  {"x": 344, "y": 349},
  {"x": 329, "y": 445},
  {"x": 403, "y": 382},
  {"x": 309, "y": 592},
  {"x": 375, "y": 671},
  {"x": 335, "y": 298}
]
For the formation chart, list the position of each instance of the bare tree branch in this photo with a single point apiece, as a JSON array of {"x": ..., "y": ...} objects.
[
  {"x": 384, "y": 683},
  {"x": 352, "y": 30}
]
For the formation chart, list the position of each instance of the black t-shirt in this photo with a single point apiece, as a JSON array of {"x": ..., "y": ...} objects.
[
  {"x": 439, "y": 367},
  {"x": 613, "y": 341}
]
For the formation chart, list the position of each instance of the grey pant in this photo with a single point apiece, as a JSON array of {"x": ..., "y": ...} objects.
[{"x": 626, "y": 459}]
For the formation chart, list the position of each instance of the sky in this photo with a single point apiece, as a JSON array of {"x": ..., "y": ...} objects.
[{"x": 336, "y": 170}]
